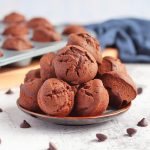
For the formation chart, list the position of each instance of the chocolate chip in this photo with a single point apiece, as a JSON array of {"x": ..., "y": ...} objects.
[
  {"x": 52, "y": 146},
  {"x": 139, "y": 90},
  {"x": 131, "y": 131},
  {"x": 101, "y": 137},
  {"x": 25, "y": 124},
  {"x": 142, "y": 123},
  {"x": 1, "y": 110},
  {"x": 9, "y": 91}
]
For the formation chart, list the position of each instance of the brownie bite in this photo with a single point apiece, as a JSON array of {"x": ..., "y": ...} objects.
[
  {"x": 40, "y": 22},
  {"x": 75, "y": 65},
  {"x": 32, "y": 74},
  {"x": 16, "y": 30},
  {"x": 111, "y": 64},
  {"x": 121, "y": 88},
  {"x": 91, "y": 99},
  {"x": 46, "y": 64},
  {"x": 14, "y": 17},
  {"x": 45, "y": 35},
  {"x": 73, "y": 29},
  {"x": 56, "y": 98},
  {"x": 28, "y": 95},
  {"x": 16, "y": 43},
  {"x": 88, "y": 42}
]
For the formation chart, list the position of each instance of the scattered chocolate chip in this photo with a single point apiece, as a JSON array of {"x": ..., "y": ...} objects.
[
  {"x": 139, "y": 90},
  {"x": 142, "y": 123},
  {"x": 131, "y": 131},
  {"x": 9, "y": 91},
  {"x": 25, "y": 124},
  {"x": 101, "y": 137},
  {"x": 1, "y": 110},
  {"x": 52, "y": 146}
]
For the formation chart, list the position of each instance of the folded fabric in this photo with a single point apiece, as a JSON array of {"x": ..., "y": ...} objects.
[{"x": 130, "y": 36}]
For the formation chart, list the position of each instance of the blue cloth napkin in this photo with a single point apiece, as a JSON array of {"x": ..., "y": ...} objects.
[{"x": 130, "y": 36}]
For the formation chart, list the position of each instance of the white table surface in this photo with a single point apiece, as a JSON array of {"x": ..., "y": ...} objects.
[{"x": 78, "y": 137}]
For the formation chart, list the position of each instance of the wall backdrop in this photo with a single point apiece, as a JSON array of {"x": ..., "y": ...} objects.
[{"x": 81, "y": 11}]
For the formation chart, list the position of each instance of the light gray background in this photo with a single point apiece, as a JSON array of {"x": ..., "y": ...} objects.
[{"x": 81, "y": 11}]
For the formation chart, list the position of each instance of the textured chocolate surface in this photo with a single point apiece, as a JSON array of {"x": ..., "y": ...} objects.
[
  {"x": 111, "y": 64},
  {"x": 46, "y": 64},
  {"x": 16, "y": 43},
  {"x": 91, "y": 99},
  {"x": 73, "y": 29},
  {"x": 14, "y": 17},
  {"x": 16, "y": 30},
  {"x": 56, "y": 98},
  {"x": 88, "y": 42},
  {"x": 32, "y": 74},
  {"x": 75, "y": 65},
  {"x": 40, "y": 22},
  {"x": 28, "y": 94},
  {"x": 45, "y": 35},
  {"x": 121, "y": 87}
]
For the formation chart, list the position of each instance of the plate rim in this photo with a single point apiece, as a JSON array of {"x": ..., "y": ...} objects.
[{"x": 116, "y": 112}]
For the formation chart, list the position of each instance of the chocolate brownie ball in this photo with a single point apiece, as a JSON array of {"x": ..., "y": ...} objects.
[
  {"x": 111, "y": 64},
  {"x": 16, "y": 43},
  {"x": 56, "y": 98},
  {"x": 28, "y": 94},
  {"x": 45, "y": 35},
  {"x": 14, "y": 17},
  {"x": 88, "y": 42},
  {"x": 40, "y": 22},
  {"x": 16, "y": 30},
  {"x": 32, "y": 74},
  {"x": 91, "y": 99},
  {"x": 75, "y": 65},
  {"x": 73, "y": 29},
  {"x": 47, "y": 69},
  {"x": 121, "y": 88}
]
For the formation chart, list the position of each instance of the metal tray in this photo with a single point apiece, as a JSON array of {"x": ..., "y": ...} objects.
[{"x": 23, "y": 58}]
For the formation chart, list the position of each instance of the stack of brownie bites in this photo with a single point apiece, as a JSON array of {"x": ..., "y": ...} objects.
[{"x": 77, "y": 81}]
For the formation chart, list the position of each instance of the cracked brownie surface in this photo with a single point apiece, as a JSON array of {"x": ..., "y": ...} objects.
[
  {"x": 14, "y": 17},
  {"x": 28, "y": 94},
  {"x": 46, "y": 65},
  {"x": 42, "y": 34},
  {"x": 16, "y": 43},
  {"x": 75, "y": 65},
  {"x": 111, "y": 64},
  {"x": 32, "y": 74},
  {"x": 91, "y": 99},
  {"x": 56, "y": 98},
  {"x": 88, "y": 42}
]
